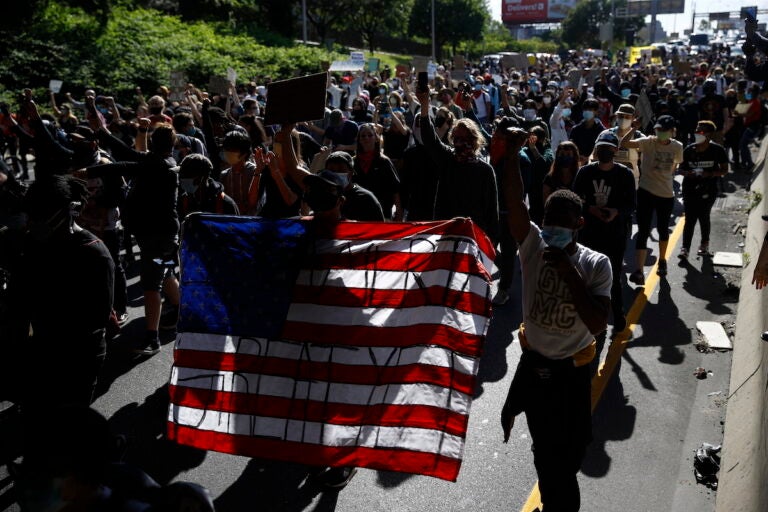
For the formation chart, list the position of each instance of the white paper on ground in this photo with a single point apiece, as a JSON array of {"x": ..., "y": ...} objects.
[
  {"x": 728, "y": 259},
  {"x": 715, "y": 335}
]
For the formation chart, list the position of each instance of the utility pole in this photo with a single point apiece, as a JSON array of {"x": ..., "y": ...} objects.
[
  {"x": 304, "y": 19},
  {"x": 433, "y": 30}
]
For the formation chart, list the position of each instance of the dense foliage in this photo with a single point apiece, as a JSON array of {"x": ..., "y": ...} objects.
[{"x": 141, "y": 47}]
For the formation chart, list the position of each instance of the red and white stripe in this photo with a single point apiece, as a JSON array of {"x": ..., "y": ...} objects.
[{"x": 376, "y": 364}]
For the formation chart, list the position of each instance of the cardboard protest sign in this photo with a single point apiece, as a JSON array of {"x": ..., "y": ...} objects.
[
  {"x": 515, "y": 60},
  {"x": 231, "y": 76},
  {"x": 402, "y": 68},
  {"x": 643, "y": 109},
  {"x": 420, "y": 63},
  {"x": 458, "y": 62},
  {"x": 347, "y": 65},
  {"x": 218, "y": 85},
  {"x": 296, "y": 99},
  {"x": 178, "y": 82},
  {"x": 373, "y": 64},
  {"x": 55, "y": 86}
]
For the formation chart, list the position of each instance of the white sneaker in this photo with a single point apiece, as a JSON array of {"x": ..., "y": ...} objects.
[{"x": 501, "y": 297}]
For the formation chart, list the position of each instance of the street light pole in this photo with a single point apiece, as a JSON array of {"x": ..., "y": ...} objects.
[
  {"x": 433, "y": 30},
  {"x": 304, "y": 19}
]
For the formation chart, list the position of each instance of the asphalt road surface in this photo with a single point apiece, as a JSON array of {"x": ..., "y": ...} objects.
[{"x": 651, "y": 415}]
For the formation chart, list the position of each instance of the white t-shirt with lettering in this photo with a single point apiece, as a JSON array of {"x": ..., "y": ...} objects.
[{"x": 553, "y": 328}]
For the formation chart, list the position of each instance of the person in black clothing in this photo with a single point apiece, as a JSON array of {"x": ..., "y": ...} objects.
[
  {"x": 61, "y": 292},
  {"x": 376, "y": 172},
  {"x": 467, "y": 186},
  {"x": 608, "y": 191},
  {"x": 359, "y": 203},
  {"x": 755, "y": 41},
  {"x": 198, "y": 192},
  {"x": 585, "y": 133},
  {"x": 713, "y": 107},
  {"x": 703, "y": 162},
  {"x": 150, "y": 213},
  {"x": 689, "y": 118},
  {"x": 419, "y": 176}
]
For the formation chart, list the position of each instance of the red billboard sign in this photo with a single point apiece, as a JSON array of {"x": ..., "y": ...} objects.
[{"x": 534, "y": 11}]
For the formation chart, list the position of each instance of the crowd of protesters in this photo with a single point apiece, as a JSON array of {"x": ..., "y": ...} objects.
[{"x": 606, "y": 136}]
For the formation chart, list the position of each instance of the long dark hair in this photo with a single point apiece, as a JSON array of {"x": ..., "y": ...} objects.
[{"x": 557, "y": 171}]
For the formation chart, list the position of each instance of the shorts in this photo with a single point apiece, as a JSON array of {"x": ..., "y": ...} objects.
[{"x": 159, "y": 259}]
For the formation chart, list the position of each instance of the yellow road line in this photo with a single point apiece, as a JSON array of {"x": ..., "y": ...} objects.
[{"x": 617, "y": 346}]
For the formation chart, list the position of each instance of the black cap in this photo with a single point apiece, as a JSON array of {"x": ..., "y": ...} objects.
[{"x": 665, "y": 123}]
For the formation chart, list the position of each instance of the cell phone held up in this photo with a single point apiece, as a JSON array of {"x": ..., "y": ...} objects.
[{"x": 422, "y": 82}]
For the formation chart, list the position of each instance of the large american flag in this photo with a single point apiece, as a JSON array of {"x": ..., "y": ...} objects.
[{"x": 351, "y": 345}]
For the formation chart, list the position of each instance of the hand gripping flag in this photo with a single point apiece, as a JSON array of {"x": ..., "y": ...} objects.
[{"x": 354, "y": 345}]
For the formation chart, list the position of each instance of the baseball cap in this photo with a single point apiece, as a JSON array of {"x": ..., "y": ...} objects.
[
  {"x": 607, "y": 138},
  {"x": 326, "y": 181},
  {"x": 626, "y": 109},
  {"x": 665, "y": 123},
  {"x": 340, "y": 156}
]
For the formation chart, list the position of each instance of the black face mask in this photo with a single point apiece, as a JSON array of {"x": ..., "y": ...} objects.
[
  {"x": 604, "y": 155},
  {"x": 320, "y": 201}
]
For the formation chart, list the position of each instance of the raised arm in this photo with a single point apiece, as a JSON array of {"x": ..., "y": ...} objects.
[{"x": 518, "y": 219}]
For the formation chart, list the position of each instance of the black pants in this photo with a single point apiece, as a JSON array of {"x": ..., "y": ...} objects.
[
  {"x": 613, "y": 246},
  {"x": 647, "y": 204},
  {"x": 697, "y": 209},
  {"x": 111, "y": 239},
  {"x": 556, "y": 399}
]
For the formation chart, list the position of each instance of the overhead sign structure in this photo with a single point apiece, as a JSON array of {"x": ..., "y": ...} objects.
[
  {"x": 534, "y": 11},
  {"x": 717, "y": 16},
  {"x": 645, "y": 7}
]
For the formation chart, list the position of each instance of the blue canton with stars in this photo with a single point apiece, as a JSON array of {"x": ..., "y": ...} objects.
[{"x": 238, "y": 273}]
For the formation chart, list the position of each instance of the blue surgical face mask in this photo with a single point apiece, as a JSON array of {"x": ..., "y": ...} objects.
[
  {"x": 188, "y": 185},
  {"x": 557, "y": 236},
  {"x": 625, "y": 93},
  {"x": 748, "y": 96},
  {"x": 588, "y": 114},
  {"x": 478, "y": 87},
  {"x": 344, "y": 177},
  {"x": 566, "y": 112}
]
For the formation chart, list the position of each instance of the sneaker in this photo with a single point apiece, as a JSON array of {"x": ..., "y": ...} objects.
[
  {"x": 336, "y": 478},
  {"x": 169, "y": 318},
  {"x": 150, "y": 349},
  {"x": 501, "y": 297},
  {"x": 703, "y": 250},
  {"x": 122, "y": 318},
  {"x": 683, "y": 254},
  {"x": 764, "y": 336},
  {"x": 661, "y": 268},
  {"x": 637, "y": 277}
]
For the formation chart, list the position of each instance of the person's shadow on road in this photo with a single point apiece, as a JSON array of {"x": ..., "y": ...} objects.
[
  {"x": 275, "y": 486},
  {"x": 144, "y": 427}
]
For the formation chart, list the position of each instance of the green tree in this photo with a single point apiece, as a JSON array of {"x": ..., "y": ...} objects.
[
  {"x": 373, "y": 17},
  {"x": 581, "y": 28},
  {"x": 325, "y": 15},
  {"x": 455, "y": 21}
]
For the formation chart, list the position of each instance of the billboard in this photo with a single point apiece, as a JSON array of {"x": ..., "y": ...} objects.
[{"x": 534, "y": 11}]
